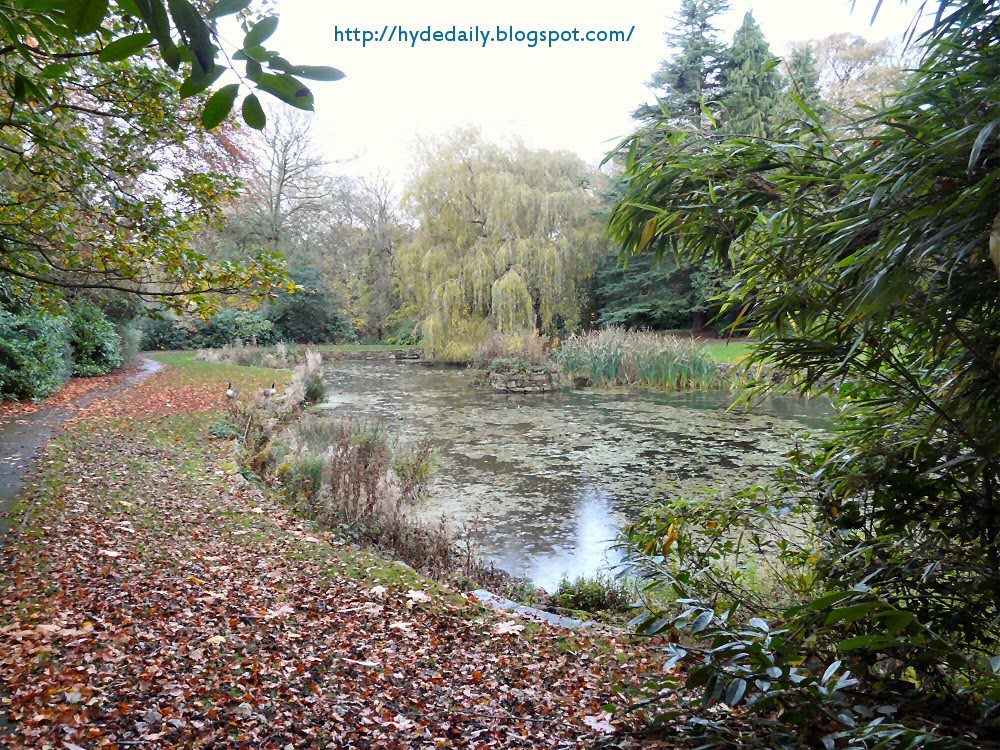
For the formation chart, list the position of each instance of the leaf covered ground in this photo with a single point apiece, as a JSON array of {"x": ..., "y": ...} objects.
[{"x": 154, "y": 598}]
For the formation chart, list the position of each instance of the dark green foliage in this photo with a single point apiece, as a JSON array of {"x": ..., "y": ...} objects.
[
  {"x": 599, "y": 593},
  {"x": 34, "y": 355},
  {"x": 228, "y": 327},
  {"x": 94, "y": 342},
  {"x": 312, "y": 314},
  {"x": 873, "y": 265},
  {"x": 314, "y": 387},
  {"x": 801, "y": 81},
  {"x": 693, "y": 75},
  {"x": 650, "y": 293},
  {"x": 751, "y": 88},
  {"x": 405, "y": 333}
]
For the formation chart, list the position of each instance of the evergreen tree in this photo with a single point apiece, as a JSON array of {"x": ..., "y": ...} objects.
[
  {"x": 693, "y": 74},
  {"x": 646, "y": 293},
  {"x": 803, "y": 81},
  {"x": 752, "y": 86}
]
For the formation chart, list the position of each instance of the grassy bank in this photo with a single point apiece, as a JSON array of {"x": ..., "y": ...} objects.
[{"x": 156, "y": 596}]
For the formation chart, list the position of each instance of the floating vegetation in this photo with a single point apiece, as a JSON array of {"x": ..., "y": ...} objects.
[{"x": 616, "y": 356}]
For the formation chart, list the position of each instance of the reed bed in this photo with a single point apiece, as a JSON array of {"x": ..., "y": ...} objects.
[{"x": 620, "y": 357}]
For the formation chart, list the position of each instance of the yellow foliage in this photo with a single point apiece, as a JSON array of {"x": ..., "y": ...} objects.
[{"x": 506, "y": 239}]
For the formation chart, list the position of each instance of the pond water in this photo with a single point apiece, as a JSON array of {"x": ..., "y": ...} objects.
[{"x": 542, "y": 482}]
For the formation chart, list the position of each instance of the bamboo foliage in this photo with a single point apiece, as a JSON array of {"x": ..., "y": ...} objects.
[{"x": 506, "y": 238}]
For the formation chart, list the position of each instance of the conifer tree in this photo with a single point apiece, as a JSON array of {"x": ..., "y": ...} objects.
[
  {"x": 801, "y": 81},
  {"x": 692, "y": 75},
  {"x": 751, "y": 88}
]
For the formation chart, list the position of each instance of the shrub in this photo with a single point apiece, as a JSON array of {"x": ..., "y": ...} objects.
[
  {"x": 310, "y": 374},
  {"x": 312, "y": 314},
  {"x": 34, "y": 355},
  {"x": 349, "y": 476},
  {"x": 598, "y": 593},
  {"x": 228, "y": 327},
  {"x": 94, "y": 342},
  {"x": 523, "y": 351}
]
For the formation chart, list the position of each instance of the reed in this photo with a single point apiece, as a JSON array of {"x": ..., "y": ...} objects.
[{"x": 619, "y": 357}]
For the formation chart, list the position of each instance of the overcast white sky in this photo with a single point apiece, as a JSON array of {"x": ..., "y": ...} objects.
[{"x": 571, "y": 96}]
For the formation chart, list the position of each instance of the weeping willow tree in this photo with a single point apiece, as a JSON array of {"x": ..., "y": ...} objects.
[{"x": 507, "y": 239}]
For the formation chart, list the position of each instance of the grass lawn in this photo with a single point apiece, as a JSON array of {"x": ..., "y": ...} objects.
[
  {"x": 155, "y": 596},
  {"x": 723, "y": 351},
  {"x": 185, "y": 367}
]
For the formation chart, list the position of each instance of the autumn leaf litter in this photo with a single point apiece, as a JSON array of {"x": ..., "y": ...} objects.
[{"x": 156, "y": 602}]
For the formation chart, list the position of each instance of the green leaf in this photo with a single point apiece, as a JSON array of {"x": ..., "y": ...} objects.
[
  {"x": 219, "y": 105},
  {"x": 196, "y": 31},
  {"x": 56, "y": 70},
  {"x": 254, "y": 70},
  {"x": 20, "y": 92},
  {"x": 317, "y": 72},
  {"x": 198, "y": 81},
  {"x": 286, "y": 88},
  {"x": 852, "y": 613},
  {"x": 227, "y": 8},
  {"x": 85, "y": 16},
  {"x": 154, "y": 13},
  {"x": 870, "y": 642},
  {"x": 261, "y": 30},
  {"x": 737, "y": 688},
  {"x": 896, "y": 620},
  {"x": 253, "y": 113},
  {"x": 129, "y": 7},
  {"x": 257, "y": 52},
  {"x": 702, "y": 621},
  {"x": 125, "y": 47}
]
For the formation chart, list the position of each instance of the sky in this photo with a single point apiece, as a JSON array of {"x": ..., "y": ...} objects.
[{"x": 570, "y": 96}]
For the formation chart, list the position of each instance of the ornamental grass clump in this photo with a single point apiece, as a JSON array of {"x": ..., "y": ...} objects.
[
  {"x": 619, "y": 357},
  {"x": 278, "y": 357}
]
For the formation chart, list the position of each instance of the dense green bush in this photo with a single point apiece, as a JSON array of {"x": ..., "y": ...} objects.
[
  {"x": 312, "y": 314},
  {"x": 34, "y": 355},
  {"x": 872, "y": 270},
  {"x": 95, "y": 344},
  {"x": 305, "y": 317},
  {"x": 598, "y": 593},
  {"x": 228, "y": 327}
]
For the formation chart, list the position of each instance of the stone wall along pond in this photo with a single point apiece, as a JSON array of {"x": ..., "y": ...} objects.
[
  {"x": 374, "y": 355},
  {"x": 523, "y": 382}
]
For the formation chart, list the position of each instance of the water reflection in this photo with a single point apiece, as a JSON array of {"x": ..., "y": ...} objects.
[{"x": 543, "y": 481}]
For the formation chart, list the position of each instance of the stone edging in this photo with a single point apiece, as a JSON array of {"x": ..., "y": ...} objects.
[
  {"x": 410, "y": 353},
  {"x": 508, "y": 605}
]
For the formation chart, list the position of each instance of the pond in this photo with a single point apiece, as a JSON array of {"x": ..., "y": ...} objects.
[{"x": 542, "y": 482}]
